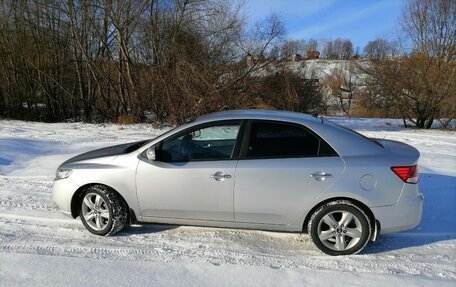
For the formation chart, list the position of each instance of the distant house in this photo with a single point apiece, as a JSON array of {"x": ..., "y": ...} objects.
[
  {"x": 313, "y": 55},
  {"x": 355, "y": 57}
]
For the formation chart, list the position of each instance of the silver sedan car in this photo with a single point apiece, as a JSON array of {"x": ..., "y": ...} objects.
[{"x": 254, "y": 169}]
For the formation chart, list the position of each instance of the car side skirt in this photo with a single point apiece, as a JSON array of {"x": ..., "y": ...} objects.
[{"x": 222, "y": 224}]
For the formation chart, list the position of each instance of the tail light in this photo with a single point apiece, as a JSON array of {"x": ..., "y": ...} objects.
[{"x": 408, "y": 174}]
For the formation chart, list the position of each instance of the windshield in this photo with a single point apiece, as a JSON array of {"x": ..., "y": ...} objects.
[{"x": 136, "y": 145}]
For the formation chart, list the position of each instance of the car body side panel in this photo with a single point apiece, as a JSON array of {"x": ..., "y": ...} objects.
[
  {"x": 186, "y": 190},
  {"x": 276, "y": 190},
  {"x": 405, "y": 214},
  {"x": 383, "y": 187},
  {"x": 117, "y": 172}
]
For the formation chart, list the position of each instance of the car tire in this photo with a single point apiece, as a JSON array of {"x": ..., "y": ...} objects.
[
  {"x": 102, "y": 211},
  {"x": 339, "y": 228}
]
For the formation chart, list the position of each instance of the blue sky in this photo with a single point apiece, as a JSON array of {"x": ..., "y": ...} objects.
[{"x": 358, "y": 20}]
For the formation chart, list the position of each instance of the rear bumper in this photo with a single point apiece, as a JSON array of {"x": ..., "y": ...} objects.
[
  {"x": 405, "y": 214},
  {"x": 62, "y": 193}
]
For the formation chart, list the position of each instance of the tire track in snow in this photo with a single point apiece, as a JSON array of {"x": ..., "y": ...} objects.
[
  {"x": 166, "y": 249},
  {"x": 31, "y": 205},
  {"x": 35, "y": 218},
  {"x": 157, "y": 254}
]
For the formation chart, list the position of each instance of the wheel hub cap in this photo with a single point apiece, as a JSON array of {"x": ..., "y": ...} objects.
[
  {"x": 339, "y": 230},
  {"x": 95, "y": 211}
]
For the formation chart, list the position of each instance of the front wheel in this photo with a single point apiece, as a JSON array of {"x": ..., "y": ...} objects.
[
  {"x": 339, "y": 228},
  {"x": 102, "y": 211}
]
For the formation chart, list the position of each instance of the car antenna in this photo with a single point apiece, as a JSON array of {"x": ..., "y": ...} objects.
[{"x": 315, "y": 115}]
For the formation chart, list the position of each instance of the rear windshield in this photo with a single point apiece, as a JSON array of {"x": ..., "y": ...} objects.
[{"x": 355, "y": 132}]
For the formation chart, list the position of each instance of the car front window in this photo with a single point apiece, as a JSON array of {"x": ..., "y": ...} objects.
[{"x": 209, "y": 143}]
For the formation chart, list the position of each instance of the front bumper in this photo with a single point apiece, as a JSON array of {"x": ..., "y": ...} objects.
[
  {"x": 62, "y": 193},
  {"x": 405, "y": 214}
]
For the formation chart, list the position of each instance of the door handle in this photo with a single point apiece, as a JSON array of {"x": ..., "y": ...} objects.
[
  {"x": 320, "y": 175},
  {"x": 220, "y": 176}
]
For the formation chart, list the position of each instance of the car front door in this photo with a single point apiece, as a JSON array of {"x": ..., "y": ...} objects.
[
  {"x": 283, "y": 167},
  {"x": 193, "y": 175}
]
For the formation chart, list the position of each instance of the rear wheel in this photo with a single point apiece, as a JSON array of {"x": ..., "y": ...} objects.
[
  {"x": 102, "y": 211},
  {"x": 339, "y": 228}
]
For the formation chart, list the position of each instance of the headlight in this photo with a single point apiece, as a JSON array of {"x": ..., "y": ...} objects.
[{"x": 62, "y": 173}]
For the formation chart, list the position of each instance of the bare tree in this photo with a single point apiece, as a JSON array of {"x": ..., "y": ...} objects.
[
  {"x": 339, "y": 49},
  {"x": 343, "y": 84},
  {"x": 422, "y": 84},
  {"x": 292, "y": 48},
  {"x": 328, "y": 49},
  {"x": 112, "y": 60},
  {"x": 429, "y": 24},
  {"x": 378, "y": 49},
  {"x": 346, "y": 50},
  {"x": 312, "y": 45}
]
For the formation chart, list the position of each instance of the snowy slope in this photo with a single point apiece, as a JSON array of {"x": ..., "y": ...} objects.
[
  {"x": 320, "y": 68},
  {"x": 39, "y": 246}
]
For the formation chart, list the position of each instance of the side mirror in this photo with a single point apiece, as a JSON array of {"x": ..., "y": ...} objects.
[
  {"x": 196, "y": 134},
  {"x": 151, "y": 153}
]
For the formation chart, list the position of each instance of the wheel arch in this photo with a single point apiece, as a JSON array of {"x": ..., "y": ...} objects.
[
  {"x": 358, "y": 203},
  {"x": 77, "y": 198}
]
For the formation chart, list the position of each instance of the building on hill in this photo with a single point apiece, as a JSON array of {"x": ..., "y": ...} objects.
[{"x": 313, "y": 55}]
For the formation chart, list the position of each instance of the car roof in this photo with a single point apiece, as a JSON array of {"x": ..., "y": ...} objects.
[{"x": 257, "y": 114}]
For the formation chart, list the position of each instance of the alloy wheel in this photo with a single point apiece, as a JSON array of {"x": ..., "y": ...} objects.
[
  {"x": 339, "y": 230},
  {"x": 95, "y": 211}
]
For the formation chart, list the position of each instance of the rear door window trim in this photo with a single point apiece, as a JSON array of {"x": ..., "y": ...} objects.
[{"x": 247, "y": 134}]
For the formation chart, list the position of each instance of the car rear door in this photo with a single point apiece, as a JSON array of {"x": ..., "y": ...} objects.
[
  {"x": 282, "y": 168},
  {"x": 193, "y": 176}
]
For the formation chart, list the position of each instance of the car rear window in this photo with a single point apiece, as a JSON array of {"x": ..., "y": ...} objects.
[{"x": 355, "y": 132}]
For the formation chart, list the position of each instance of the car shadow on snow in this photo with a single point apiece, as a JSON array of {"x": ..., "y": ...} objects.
[
  {"x": 438, "y": 222},
  {"x": 145, "y": 228}
]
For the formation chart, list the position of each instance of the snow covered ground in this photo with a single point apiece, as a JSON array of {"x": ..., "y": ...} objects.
[{"x": 39, "y": 246}]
